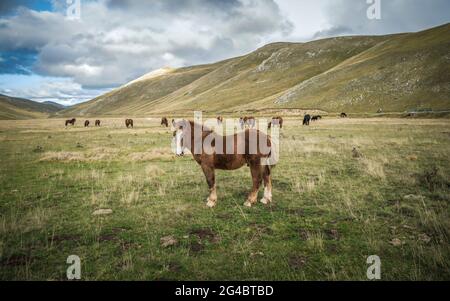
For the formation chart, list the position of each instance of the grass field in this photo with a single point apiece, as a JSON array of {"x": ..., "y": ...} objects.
[{"x": 333, "y": 206}]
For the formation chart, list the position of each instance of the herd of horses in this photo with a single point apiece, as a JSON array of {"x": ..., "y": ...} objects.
[
  {"x": 211, "y": 160},
  {"x": 247, "y": 121}
]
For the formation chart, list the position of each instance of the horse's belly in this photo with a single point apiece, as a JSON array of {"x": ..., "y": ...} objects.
[{"x": 229, "y": 162}]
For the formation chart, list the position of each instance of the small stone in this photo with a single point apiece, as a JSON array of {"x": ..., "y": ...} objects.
[
  {"x": 413, "y": 197},
  {"x": 356, "y": 153},
  {"x": 425, "y": 238},
  {"x": 168, "y": 241},
  {"x": 102, "y": 212},
  {"x": 396, "y": 242},
  {"x": 253, "y": 254}
]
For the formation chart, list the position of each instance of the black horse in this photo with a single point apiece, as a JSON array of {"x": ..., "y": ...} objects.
[
  {"x": 344, "y": 115},
  {"x": 71, "y": 121},
  {"x": 306, "y": 119},
  {"x": 316, "y": 117}
]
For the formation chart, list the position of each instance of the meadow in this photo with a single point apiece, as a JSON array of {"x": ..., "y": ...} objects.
[{"x": 344, "y": 189}]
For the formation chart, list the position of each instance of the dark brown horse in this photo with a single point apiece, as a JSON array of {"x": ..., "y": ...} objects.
[
  {"x": 306, "y": 119},
  {"x": 97, "y": 122},
  {"x": 212, "y": 151},
  {"x": 242, "y": 122},
  {"x": 344, "y": 115},
  {"x": 129, "y": 123},
  {"x": 316, "y": 118},
  {"x": 250, "y": 121},
  {"x": 276, "y": 121},
  {"x": 164, "y": 122},
  {"x": 71, "y": 121},
  {"x": 86, "y": 123}
]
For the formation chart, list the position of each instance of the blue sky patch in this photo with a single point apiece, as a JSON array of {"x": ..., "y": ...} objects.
[{"x": 17, "y": 62}]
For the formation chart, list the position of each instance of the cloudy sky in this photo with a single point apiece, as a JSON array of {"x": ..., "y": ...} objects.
[{"x": 50, "y": 52}]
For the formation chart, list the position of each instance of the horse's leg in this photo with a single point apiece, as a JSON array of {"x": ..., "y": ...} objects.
[
  {"x": 211, "y": 201},
  {"x": 267, "y": 186},
  {"x": 255, "y": 170}
]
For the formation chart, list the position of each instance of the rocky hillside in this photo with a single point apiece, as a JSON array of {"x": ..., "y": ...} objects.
[{"x": 353, "y": 74}]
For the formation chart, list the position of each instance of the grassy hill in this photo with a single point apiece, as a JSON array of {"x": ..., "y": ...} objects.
[
  {"x": 354, "y": 74},
  {"x": 19, "y": 108}
]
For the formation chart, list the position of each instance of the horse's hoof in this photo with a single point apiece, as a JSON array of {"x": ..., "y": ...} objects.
[
  {"x": 211, "y": 204},
  {"x": 248, "y": 204},
  {"x": 265, "y": 201}
]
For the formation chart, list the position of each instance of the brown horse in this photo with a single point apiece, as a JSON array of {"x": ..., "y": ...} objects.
[
  {"x": 97, "y": 122},
  {"x": 344, "y": 115},
  {"x": 164, "y": 122},
  {"x": 71, "y": 121},
  {"x": 219, "y": 120},
  {"x": 276, "y": 121},
  {"x": 129, "y": 123},
  {"x": 250, "y": 121},
  {"x": 242, "y": 122},
  {"x": 86, "y": 123},
  {"x": 227, "y": 153}
]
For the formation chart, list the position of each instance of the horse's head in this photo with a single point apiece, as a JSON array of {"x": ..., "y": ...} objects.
[{"x": 182, "y": 129}]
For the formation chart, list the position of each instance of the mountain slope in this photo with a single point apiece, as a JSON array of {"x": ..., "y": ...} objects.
[
  {"x": 19, "y": 108},
  {"x": 353, "y": 74}
]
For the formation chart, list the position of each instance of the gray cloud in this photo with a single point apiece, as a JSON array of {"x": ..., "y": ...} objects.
[
  {"x": 349, "y": 17},
  {"x": 116, "y": 41}
]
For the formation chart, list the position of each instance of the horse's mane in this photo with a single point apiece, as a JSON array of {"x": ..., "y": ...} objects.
[{"x": 204, "y": 128}]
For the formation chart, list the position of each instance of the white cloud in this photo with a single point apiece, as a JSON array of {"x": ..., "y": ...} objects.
[
  {"x": 61, "y": 90},
  {"x": 117, "y": 41}
]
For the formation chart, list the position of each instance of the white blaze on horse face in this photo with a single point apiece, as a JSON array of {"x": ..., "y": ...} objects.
[{"x": 179, "y": 143}]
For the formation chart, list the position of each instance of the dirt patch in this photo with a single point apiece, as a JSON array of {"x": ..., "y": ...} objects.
[
  {"x": 107, "y": 237},
  {"x": 205, "y": 235},
  {"x": 64, "y": 238},
  {"x": 16, "y": 260},
  {"x": 297, "y": 262},
  {"x": 303, "y": 234},
  {"x": 174, "y": 267},
  {"x": 196, "y": 247},
  {"x": 332, "y": 234},
  {"x": 260, "y": 229}
]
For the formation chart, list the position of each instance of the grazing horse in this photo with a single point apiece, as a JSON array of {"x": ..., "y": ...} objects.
[
  {"x": 71, "y": 121},
  {"x": 276, "y": 121},
  {"x": 227, "y": 153},
  {"x": 343, "y": 115},
  {"x": 219, "y": 120},
  {"x": 250, "y": 121},
  {"x": 97, "y": 122},
  {"x": 316, "y": 117},
  {"x": 306, "y": 119},
  {"x": 86, "y": 123},
  {"x": 164, "y": 122},
  {"x": 129, "y": 123},
  {"x": 242, "y": 122}
]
